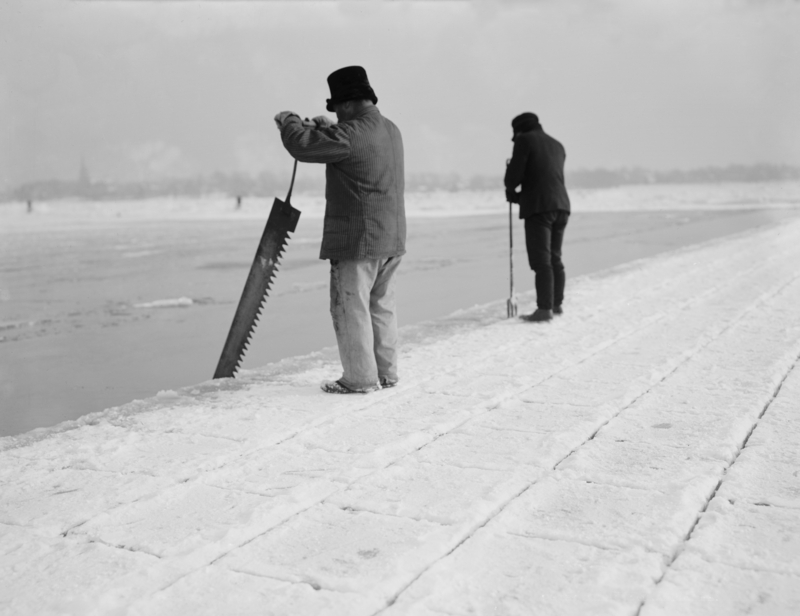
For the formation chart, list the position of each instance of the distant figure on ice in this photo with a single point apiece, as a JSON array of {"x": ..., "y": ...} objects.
[
  {"x": 238, "y": 202},
  {"x": 537, "y": 164},
  {"x": 364, "y": 231},
  {"x": 30, "y": 206}
]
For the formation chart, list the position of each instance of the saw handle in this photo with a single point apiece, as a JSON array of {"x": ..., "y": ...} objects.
[
  {"x": 308, "y": 124},
  {"x": 291, "y": 186}
]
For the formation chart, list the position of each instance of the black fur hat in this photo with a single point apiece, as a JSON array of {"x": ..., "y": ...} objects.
[
  {"x": 349, "y": 83},
  {"x": 525, "y": 122}
]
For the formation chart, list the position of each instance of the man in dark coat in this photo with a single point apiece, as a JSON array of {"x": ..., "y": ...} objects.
[
  {"x": 364, "y": 231},
  {"x": 537, "y": 165}
]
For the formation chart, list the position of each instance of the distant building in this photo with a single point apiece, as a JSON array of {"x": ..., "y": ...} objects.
[{"x": 84, "y": 181}]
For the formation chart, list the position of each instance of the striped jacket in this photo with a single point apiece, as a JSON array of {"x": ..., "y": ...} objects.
[{"x": 364, "y": 183}]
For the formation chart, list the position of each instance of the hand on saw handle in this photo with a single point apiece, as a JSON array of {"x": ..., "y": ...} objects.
[
  {"x": 321, "y": 122},
  {"x": 281, "y": 117},
  {"x": 317, "y": 122}
]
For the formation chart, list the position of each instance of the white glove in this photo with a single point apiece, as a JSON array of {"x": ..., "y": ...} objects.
[{"x": 323, "y": 121}]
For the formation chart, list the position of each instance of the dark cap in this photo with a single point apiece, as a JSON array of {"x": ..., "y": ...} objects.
[
  {"x": 525, "y": 122},
  {"x": 347, "y": 84}
]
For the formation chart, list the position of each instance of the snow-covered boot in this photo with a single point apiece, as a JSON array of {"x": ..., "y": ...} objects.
[
  {"x": 336, "y": 387},
  {"x": 386, "y": 382}
]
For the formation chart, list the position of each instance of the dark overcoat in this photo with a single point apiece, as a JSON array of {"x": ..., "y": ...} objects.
[{"x": 538, "y": 165}]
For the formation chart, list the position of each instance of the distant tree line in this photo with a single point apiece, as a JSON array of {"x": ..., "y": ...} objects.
[
  {"x": 603, "y": 178},
  {"x": 234, "y": 184},
  {"x": 268, "y": 185}
]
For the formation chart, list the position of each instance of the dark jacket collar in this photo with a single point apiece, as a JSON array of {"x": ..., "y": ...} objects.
[{"x": 536, "y": 129}]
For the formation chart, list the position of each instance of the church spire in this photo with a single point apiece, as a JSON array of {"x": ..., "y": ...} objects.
[{"x": 83, "y": 175}]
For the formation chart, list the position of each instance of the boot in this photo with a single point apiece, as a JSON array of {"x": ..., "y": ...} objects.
[{"x": 540, "y": 315}]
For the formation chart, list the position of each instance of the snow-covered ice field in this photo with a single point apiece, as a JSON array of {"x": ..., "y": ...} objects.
[
  {"x": 104, "y": 303},
  {"x": 638, "y": 455}
]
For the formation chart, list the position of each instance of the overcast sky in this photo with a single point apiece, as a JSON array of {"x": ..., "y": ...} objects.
[{"x": 154, "y": 89}]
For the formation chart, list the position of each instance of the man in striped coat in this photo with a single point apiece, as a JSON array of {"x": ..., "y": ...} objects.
[{"x": 365, "y": 226}]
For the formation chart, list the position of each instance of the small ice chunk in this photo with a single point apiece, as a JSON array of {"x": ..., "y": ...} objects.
[{"x": 167, "y": 303}]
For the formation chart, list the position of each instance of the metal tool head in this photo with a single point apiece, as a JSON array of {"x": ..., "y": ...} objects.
[{"x": 511, "y": 307}]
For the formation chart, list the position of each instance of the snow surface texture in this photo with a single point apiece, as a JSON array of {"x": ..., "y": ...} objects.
[{"x": 637, "y": 455}]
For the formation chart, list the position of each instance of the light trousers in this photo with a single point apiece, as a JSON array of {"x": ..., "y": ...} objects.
[{"x": 364, "y": 317}]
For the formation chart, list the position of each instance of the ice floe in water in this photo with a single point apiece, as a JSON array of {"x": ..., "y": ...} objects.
[{"x": 178, "y": 302}]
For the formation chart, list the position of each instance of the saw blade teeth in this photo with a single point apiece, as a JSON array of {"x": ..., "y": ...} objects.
[{"x": 271, "y": 249}]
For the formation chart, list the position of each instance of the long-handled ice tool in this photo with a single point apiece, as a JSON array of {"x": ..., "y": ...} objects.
[
  {"x": 511, "y": 303},
  {"x": 281, "y": 222}
]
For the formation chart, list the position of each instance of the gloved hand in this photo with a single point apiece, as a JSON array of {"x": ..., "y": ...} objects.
[
  {"x": 280, "y": 118},
  {"x": 323, "y": 121},
  {"x": 512, "y": 196}
]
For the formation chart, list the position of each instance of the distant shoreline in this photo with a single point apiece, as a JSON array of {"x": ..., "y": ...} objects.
[
  {"x": 725, "y": 196},
  {"x": 265, "y": 183}
]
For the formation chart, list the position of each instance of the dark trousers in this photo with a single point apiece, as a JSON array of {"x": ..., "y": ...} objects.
[{"x": 544, "y": 234}]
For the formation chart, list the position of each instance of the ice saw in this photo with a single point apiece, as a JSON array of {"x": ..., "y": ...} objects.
[{"x": 281, "y": 222}]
